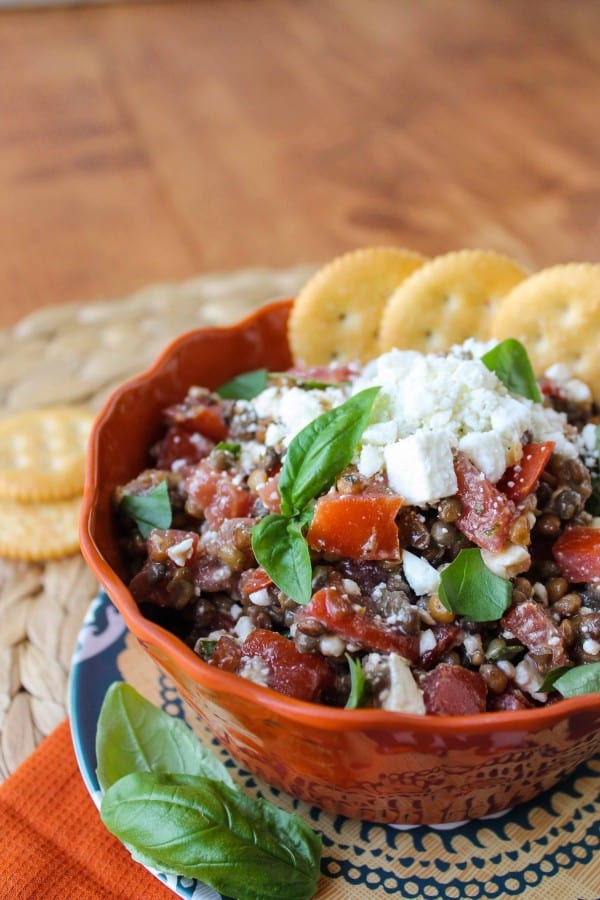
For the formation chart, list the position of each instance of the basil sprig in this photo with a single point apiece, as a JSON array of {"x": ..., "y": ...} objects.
[
  {"x": 468, "y": 588},
  {"x": 572, "y": 682},
  {"x": 510, "y": 362},
  {"x": 179, "y": 812},
  {"x": 134, "y": 736},
  {"x": 321, "y": 450},
  {"x": 150, "y": 510},
  {"x": 358, "y": 683},
  {"x": 281, "y": 549},
  {"x": 245, "y": 386},
  {"x": 314, "y": 457}
]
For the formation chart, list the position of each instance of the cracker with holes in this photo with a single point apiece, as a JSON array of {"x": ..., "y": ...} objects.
[
  {"x": 556, "y": 315},
  {"x": 42, "y": 453},
  {"x": 449, "y": 299},
  {"x": 39, "y": 531},
  {"x": 337, "y": 314}
]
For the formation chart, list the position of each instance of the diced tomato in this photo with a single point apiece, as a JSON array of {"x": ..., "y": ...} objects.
[
  {"x": 577, "y": 552},
  {"x": 227, "y": 655},
  {"x": 533, "y": 626},
  {"x": 254, "y": 580},
  {"x": 521, "y": 479},
  {"x": 269, "y": 494},
  {"x": 201, "y": 412},
  {"x": 305, "y": 676},
  {"x": 454, "y": 691},
  {"x": 214, "y": 494},
  {"x": 358, "y": 526},
  {"x": 354, "y": 623},
  {"x": 487, "y": 513},
  {"x": 180, "y": 444},
  {"x": 446, "y": 637},
  {"x": 512, "y": 699}
]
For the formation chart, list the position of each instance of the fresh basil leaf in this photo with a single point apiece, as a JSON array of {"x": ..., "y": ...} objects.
[
  {"x": 280, "y": 548},
  {"x": 245, "y": 386},
  {"x": 550, "y": 678},
  {"x": 198, "y": 828},
  {"x": 321, "y": 450},
  {"x": 508, "y": 651},
  {"x": 134, "y": 736},
  {"x": 358, "y": 683},
  {"x": 307, "y": 384},
  {"x": 510, "y": 362},
  {"x": 468, "y": 588},
  {"x": 150, "y": 510},
  {"x": 583, "y": 679},
  {"x": 231, "y": 448}
]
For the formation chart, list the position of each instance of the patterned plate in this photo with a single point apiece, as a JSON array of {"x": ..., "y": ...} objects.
[{"x": 549, "y": 848}]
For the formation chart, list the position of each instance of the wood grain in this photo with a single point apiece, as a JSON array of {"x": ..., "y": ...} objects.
[{"x": 151, "y": 142}]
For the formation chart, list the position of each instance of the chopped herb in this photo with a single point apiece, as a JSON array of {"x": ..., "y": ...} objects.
[
  {"x": 468, "y": 588},
  {"x": 315, "y": 456},
  {"x": 510, "y": 362},
  {"x": 245, "y": 386},
  {"x": 230, "y": 448},
  {"x": 358, "y": 684},
  {"x": 150, "y": 510},
  {"x": 176, "y": 809},
  {"x": 579, "y": 680}
]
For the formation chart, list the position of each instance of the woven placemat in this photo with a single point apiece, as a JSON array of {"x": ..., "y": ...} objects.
[{"x": 78, "y": 354}]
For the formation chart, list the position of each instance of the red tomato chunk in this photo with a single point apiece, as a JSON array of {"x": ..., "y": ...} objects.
[
  {"x": 520, "y": 480},
  {"x": 359, "y": 526},
  {"x": 454, "y": 691},
  {"x": 487, "y": 513},
  {"x": 577, "y": 552},
  {"x": 354, "y": 623},
  {"x": 304, "y": 676}
]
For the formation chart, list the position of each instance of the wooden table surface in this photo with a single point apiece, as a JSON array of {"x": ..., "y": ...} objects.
[{"x": 151, "y": 142}]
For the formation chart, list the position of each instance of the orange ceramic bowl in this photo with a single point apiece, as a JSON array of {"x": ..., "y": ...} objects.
[{"x": 370, "y": 764}]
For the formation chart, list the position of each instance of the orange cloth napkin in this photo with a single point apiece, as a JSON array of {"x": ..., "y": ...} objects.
[{"x": 52, "y": 842}]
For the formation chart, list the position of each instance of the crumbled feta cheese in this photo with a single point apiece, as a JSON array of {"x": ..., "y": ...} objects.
[
  {"x": 420, "y": 467},
  {"x": 331, "y": 645},
  {"x": 255, "y": 669},
  {"x": 404, "y": 695},
  {"x": 260, "y": 597},
  {"x": 292, "y": 408},
  {"x": 427, "y": 641},
  {"x": 527, "y": 676},
  {"x": 181, "y": 552},
  {"x": 591, "y": 647},
  {"x": 507, "y": 563},
  {"x": 421, "y": 575},
  {"x": 243, "y": 627},
  {"x": 462, "y": 403}
]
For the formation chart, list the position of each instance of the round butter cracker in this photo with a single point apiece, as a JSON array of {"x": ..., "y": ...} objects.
[
  {"x": 451, "y": 298},
  {"x": 35, "y": 532},
  {"x": 42, "y": 453},
  {"x": 556, "y": 315},
  {"x": 337, "y": 314}
]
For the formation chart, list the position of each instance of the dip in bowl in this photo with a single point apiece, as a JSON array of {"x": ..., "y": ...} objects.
[{"x": 424, "y": 744}]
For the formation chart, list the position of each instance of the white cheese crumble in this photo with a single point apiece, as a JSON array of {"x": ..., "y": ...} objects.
[
  {"x": 181, "y": 552},
  {"x": 421, "y": 575},
  {"x": 431, "y": 405},
  {"x": 404, "y": 695},
  {"x": 290, "y": 409},
  {"x": 507, "y": 563},
  {"x": 255, "y": 669}
]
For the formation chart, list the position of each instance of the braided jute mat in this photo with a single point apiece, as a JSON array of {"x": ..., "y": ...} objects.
[{"x": 79, "y": 354}]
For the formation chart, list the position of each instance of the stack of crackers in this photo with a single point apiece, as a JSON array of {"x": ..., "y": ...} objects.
[
  {"x": 42, "y": 463},
  {"x": 370, "y": 300}
]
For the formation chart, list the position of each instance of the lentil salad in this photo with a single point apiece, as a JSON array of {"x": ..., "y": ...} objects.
[{"x": 450, "y": 476}]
